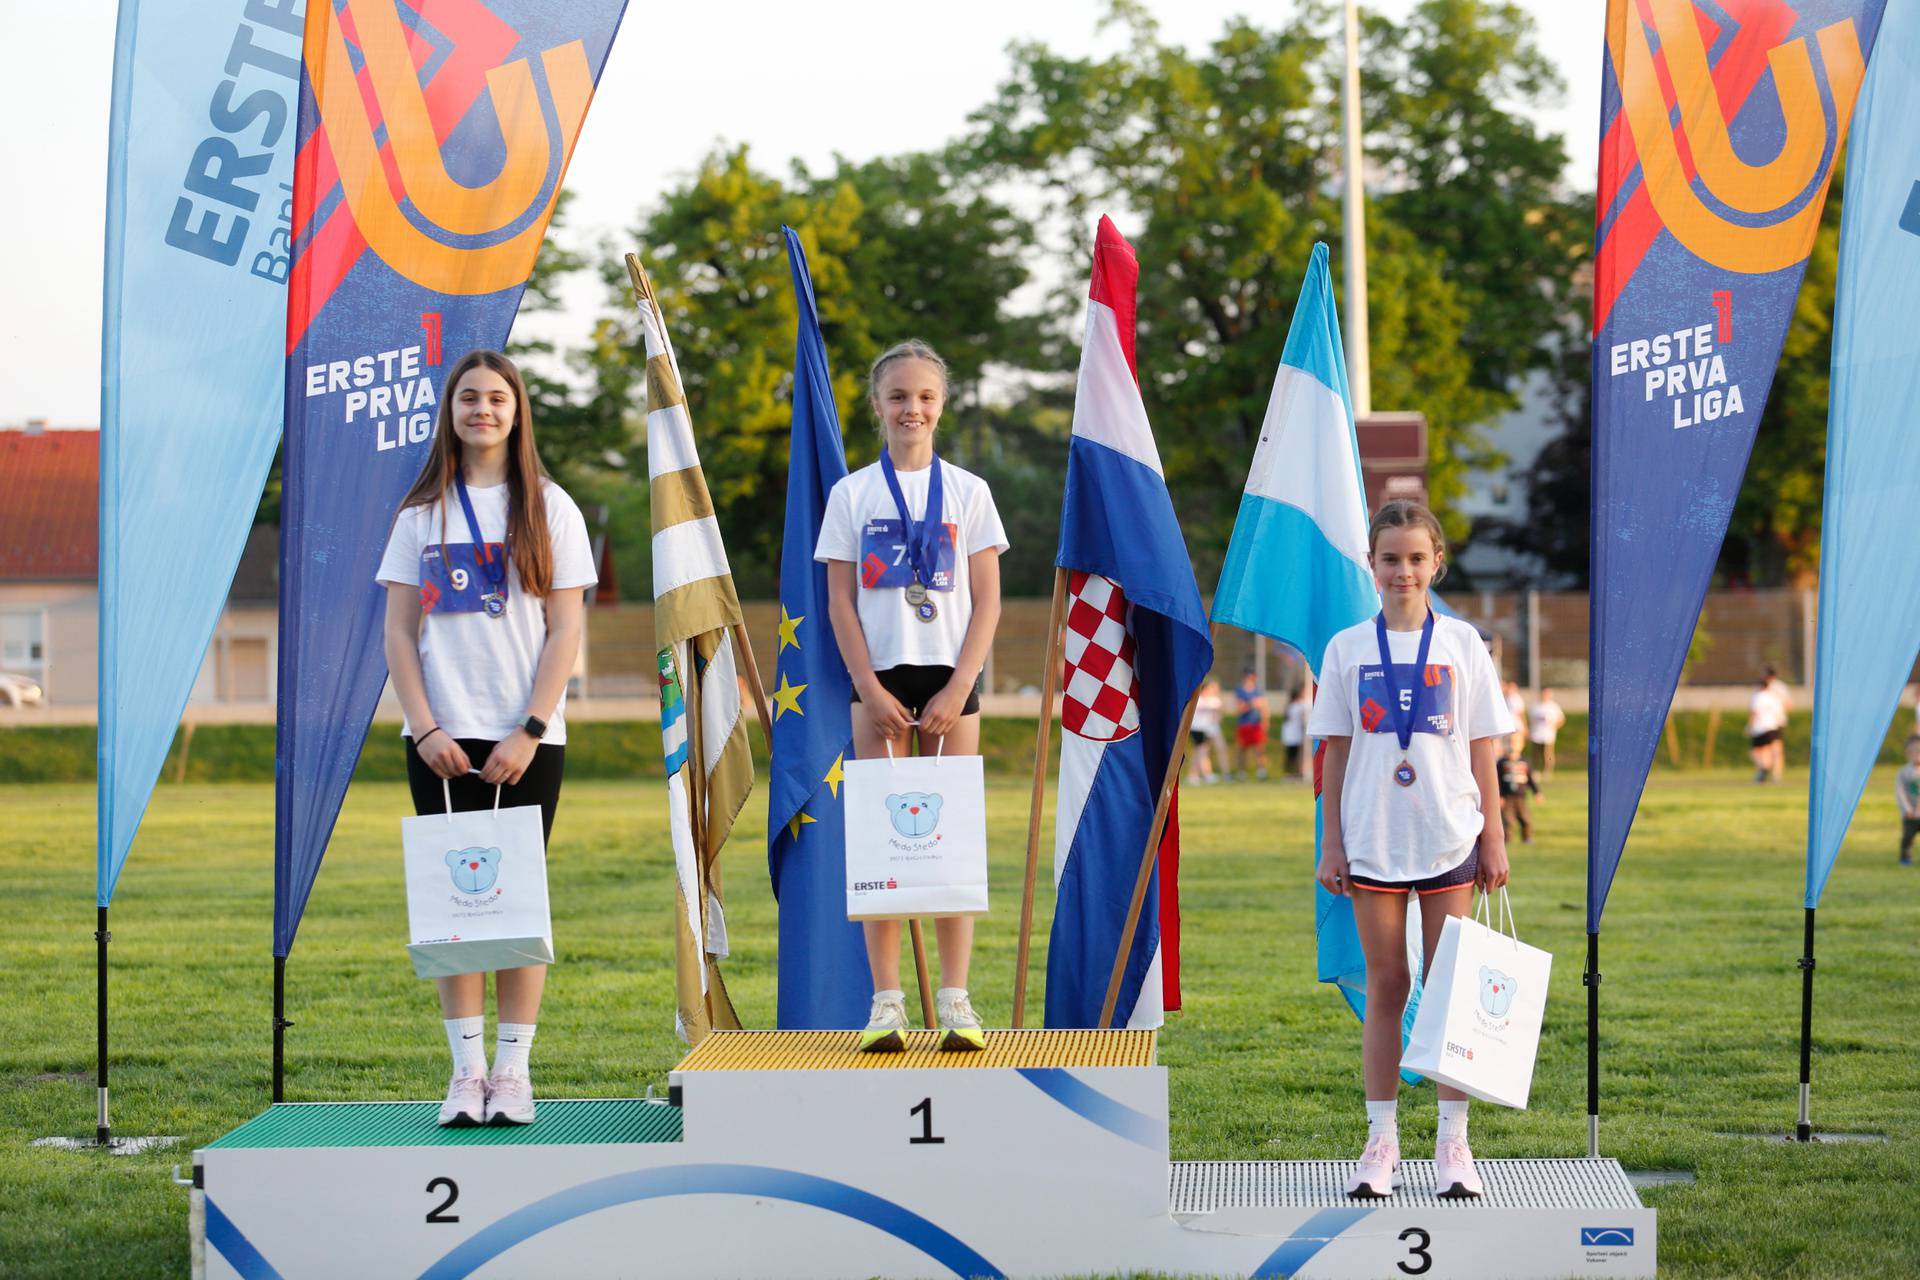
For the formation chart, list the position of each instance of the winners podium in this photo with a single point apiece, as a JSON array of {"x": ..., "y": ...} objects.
[{"x": 785, "y": 1153}]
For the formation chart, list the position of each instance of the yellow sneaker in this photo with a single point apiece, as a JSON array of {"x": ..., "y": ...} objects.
[
  {"x": 886, "y": 1025},
  {"x": 959, "y": 1026}
]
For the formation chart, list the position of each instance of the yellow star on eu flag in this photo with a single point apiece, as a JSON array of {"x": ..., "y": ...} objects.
[
  {"x": 789, "y": 631},
  {"x": 836, "y": 775},
  {"x": 787, "y": 697},
  {"x": 800, "y": 820}
]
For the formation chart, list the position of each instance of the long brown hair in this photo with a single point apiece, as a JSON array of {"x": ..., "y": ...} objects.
[{"x": 527, "y": 535}]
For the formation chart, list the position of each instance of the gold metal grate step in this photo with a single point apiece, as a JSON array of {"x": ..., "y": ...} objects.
[{"x": 840, "y": 1051}]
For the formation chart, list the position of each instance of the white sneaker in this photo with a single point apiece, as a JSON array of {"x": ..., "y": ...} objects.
[
  {"x": 959, "y": 1026},
  {"x": 1454, "y": 1177},
  {"x": 466, "y": 1102},
  {"x": 1373, "y": 1180},
  {"x": 509, "y": 1098},
  {"x": 886, "y": 1026}
]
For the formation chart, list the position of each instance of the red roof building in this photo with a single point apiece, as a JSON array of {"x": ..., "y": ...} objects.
[{"x": 49, "y": 506}]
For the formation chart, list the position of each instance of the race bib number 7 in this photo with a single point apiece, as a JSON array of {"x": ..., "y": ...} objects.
[{"x": 883, "y": 557}]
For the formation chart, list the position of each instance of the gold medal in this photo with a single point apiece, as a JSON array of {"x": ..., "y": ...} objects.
[{"x": 916, "y": 593}]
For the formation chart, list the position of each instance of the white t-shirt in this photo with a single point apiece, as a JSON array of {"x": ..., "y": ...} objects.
[
  {"x": 1394, "y": 833},
  {"x": 1766, "y": 712},
  {"x": 1293, "y": 730},
  {"x": 1544, "y": 721},
  {"x": 861, "y": 525},
  {"x": 479, "y": 669}
]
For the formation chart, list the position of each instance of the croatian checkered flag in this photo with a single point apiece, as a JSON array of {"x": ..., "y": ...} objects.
[{"x": 1137, "y": 646}]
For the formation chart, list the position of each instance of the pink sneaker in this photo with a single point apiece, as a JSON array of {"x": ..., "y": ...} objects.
[
  {"x": 1454, "y": 1177},
  {"x": 1374, "y": 1178},
  {"x": 509, "y": 1098},
  {"x": 466, "y": 1102}
]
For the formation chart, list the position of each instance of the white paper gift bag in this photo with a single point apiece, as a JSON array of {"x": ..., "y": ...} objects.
[
  {"x": 1478, "y": 1027},
  {"x": 476, "y": 890},
  {"x": 916, "y": 837}
]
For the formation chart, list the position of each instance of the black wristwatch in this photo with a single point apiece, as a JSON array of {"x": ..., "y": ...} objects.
[{"x": 536, "y": 728}]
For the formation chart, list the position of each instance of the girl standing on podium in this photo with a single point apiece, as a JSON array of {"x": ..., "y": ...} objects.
[
  {"x": 486, "y": 571},
  {"x": 912, "y": 546},
  {"x": 1411, "y": 710}
]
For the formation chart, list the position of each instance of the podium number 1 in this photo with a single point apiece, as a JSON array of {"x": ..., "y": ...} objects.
[{"x": 925, "y": 1111}]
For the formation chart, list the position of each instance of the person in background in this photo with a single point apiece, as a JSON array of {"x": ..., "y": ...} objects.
[
  {"x": 1517, "y": 708},
  {"x": 1544, "y": 720},
  {"x": 1778, "y": 687},
  {"x": 1293, "y": 727},
  {"x": 1516, "y": 782},
  {"x": 1766, "y": 721},
  {"x": 1250, "y": 726},
  {"x": 1906, "y": 788},
  {"x": 1207, "y": 750}
]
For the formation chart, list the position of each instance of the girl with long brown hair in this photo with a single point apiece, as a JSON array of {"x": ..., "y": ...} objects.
[{"x": 485, "y": 571}]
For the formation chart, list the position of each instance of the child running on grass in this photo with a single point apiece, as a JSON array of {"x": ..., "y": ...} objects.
[
  {"x": 912, "y": 546},
  {"x": 486, "y": 573},
  {"x": 1412, "y": 714}
]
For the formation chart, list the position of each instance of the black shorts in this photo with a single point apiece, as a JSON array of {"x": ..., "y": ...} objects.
[
  {"x": 1767, "y": 739},
  {"x": 540, "y": 784},
  {"x": 1458, "y": 878},
  {"x": 914, "y": 687}
]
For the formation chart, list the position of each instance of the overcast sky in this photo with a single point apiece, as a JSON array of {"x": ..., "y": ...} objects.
[{"x": 900, "y": 78}]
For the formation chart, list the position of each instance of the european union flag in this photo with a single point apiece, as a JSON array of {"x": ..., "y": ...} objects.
[{"x": 824, "y": 980}]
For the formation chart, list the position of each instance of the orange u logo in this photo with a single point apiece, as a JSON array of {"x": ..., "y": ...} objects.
[
  {"x": 438, "y": 198},
  {"x": 1749, "y": 188}
]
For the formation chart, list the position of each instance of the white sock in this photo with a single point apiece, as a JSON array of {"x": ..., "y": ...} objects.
[
  {"x": 1382, "y": 1119},
  {"x": 1453, "y": 1119},
  {"x": 467, "y": 1038},
  {"x": 511, "y": 1047},
  {"x": 949, "y": 993},
  {"x": 892, "y": 995}
]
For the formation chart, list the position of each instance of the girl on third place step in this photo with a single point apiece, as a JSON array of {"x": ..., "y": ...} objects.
[
  {"x": 486, "y": 570},
  {"x": 912, "y": 546},
  {"x": 1413, "y": 718}
]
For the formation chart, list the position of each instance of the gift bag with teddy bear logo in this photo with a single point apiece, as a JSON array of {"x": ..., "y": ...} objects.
[
  {"x": 916, "y": 837},
  {"x": 1478, "y": 1028},
  {"x": 476, "y": 890}
]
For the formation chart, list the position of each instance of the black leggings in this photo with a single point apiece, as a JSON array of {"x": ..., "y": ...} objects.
[{"x": 540, "y": 784}]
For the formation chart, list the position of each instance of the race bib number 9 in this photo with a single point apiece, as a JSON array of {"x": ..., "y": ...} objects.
[
  {"x": 456, "y": 584},
  {"x": 1436, "y": 697},
  {"x": 883, "y": 557}
]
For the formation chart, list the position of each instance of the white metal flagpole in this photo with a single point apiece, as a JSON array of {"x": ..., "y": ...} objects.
[{"x": 1359, "y": 367}]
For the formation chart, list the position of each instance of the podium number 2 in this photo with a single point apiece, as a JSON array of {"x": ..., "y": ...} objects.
[
  {"x": 1418, "y": 1249},
  {"x": 439, "y": 1212},
  {"x": 925, "y": 1111}
]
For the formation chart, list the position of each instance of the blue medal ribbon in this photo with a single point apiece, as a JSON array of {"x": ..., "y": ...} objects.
[
  {"x": 922, "y": 537},
  {"x": 493, "y": 568},
  {"x": 1404, "y": 720}
]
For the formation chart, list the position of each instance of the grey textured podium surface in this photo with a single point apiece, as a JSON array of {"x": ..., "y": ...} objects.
[{"x": 1207, "y": 1186}]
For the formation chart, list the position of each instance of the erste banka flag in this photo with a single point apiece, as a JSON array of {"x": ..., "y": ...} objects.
[
  {"x": 1137, "y": 647},
  {"x": 824, "y": 980},
  {"x": 199, "y": 203},
  {"x": 1296, "y": 566},
  {"x": 703, "y": 735},
  {"x": 1869, "y": 579},
  {"x": 433, "y": 137},
  {"x": 1720, "y": 127}
]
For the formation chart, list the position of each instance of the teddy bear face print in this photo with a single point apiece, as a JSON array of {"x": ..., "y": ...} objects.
[
  {"x": 474, "y": 870},
  {"x": 914, "y": 813}
]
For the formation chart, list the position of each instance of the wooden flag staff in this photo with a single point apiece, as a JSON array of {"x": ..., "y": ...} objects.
[
  {"x": 1041, "y": 748},
  {"x": 1174, "y": 762}
]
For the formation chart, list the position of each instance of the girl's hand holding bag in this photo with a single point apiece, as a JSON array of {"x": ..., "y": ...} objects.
[{"x": 1478, "y": 1028}]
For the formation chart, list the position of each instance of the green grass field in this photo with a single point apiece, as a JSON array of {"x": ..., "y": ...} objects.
[{"x": 1700, "y": 1018}]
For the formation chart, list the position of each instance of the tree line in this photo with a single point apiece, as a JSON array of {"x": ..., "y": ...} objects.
[{"x": 1223, "y": 165}]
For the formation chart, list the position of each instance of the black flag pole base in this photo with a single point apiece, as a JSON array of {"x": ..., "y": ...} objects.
[
  {"x": 1803, "y": 1131},
  {"x": 1591, "y": 980},
  {"x": 103, "y": 1129},
  {"x": 280, "y": 1025}
]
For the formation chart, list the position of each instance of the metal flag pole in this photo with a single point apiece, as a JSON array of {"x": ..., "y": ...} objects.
[
  {"x": 1354, "y": 237},
  {"x": 1591, "y": 979},
  {"x": 103, "y": 1127},
  {"x": 280, "y": 1025},
  {"x": 1803, "y": 1130}
]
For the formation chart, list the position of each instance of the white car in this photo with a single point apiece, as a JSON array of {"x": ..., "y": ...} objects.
[{"x": 18, "y": 691}]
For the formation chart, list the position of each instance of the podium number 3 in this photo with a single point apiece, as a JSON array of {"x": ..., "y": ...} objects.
[
  {"x": 925, "y": 1111},
  {"x": 1418, "y": 1249},
  {"x": 439, "y": 1212}
]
